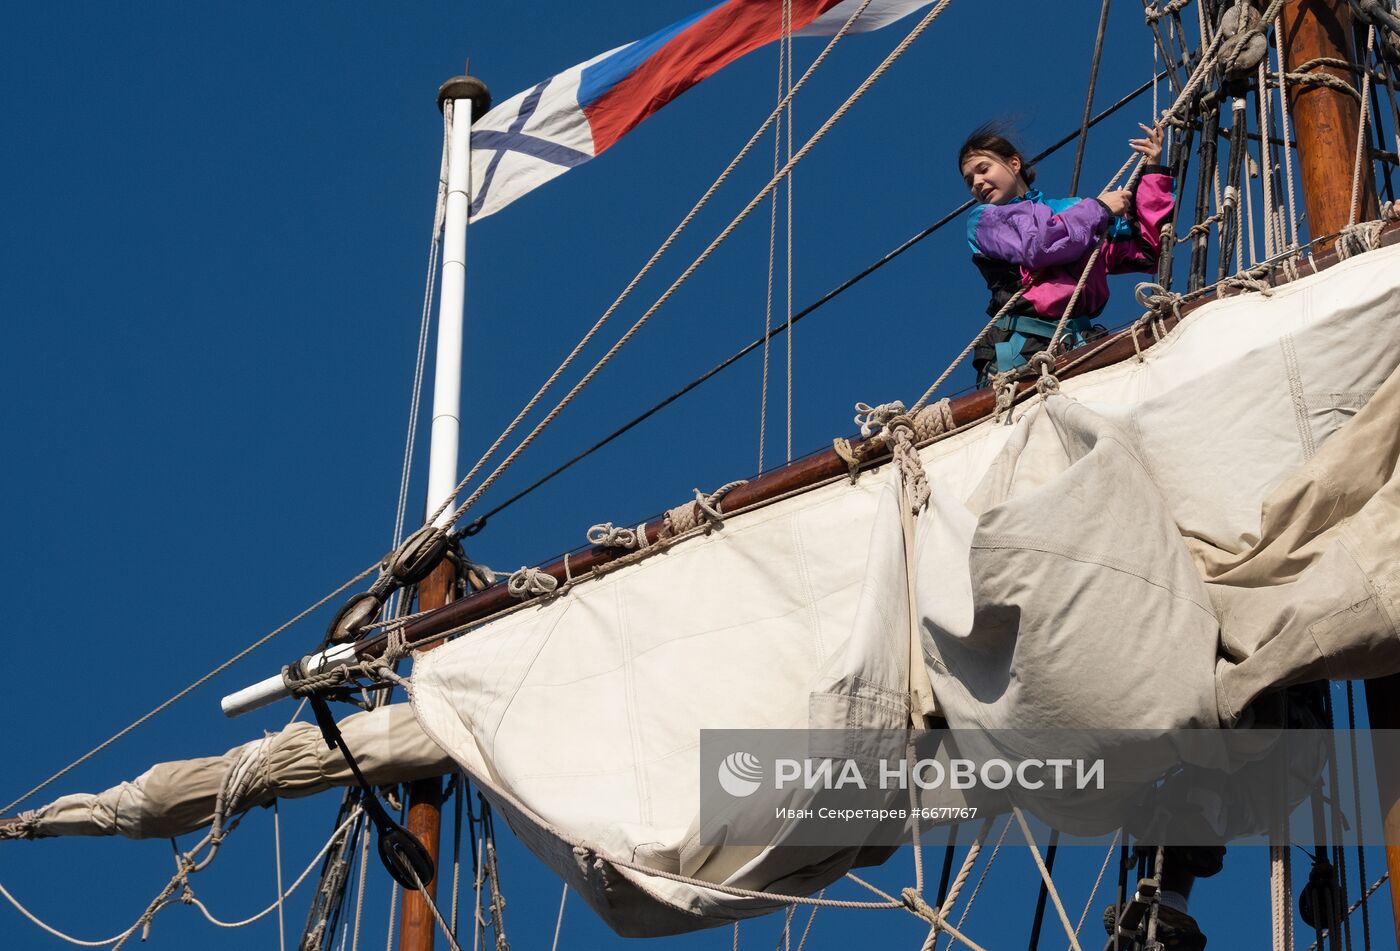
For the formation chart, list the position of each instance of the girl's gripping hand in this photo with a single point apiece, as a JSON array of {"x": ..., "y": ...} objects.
[
  {"x": 1149, "y": 147},
  {"x": 1117, "y": 201}
]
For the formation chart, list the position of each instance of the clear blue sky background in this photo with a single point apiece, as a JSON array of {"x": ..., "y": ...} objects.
[{"x": 213, "y": 242}]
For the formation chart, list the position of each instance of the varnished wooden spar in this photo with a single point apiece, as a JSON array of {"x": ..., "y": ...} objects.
[{"x": 809, "y": 471}]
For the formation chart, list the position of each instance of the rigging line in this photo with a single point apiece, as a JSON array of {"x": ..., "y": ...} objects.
[
  {"x": 991, "y": 859},
  {"x": 788, "y": 285},
  {"x": 719, "y": 239},
  {"x": 1045, "y": 877},
  {"x": 277, "y": 863},
  {"x": 1287, "y": 134},
  {"x": 424, "y": 323},
  {"x": 1089, "y": 903},
  {"x": 196, "y": 902},
  {"x": 1089, "y": 98},
  {"x": 559, "y": 921},
  {"x": 160, "y": 708},
  {"x": 480, "y": 521},
  {"x": 1361, "y": 129},
  {"x": 772, "y": 250},
  {"x": 360, "y": 889},
  {"x": 1360, "y": 826},
  {"x": 651, "y": 262}
]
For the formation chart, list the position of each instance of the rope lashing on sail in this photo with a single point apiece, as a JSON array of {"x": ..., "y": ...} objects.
[
  {"x": 1250, "y": 280},
  {"x": 1159, "y": 303},
  {"x": 608, "y": 535},
  {"x": 527, "y": 582},
  {"x": 892, "y": 425},
  {"x": 1366, "y": 236}
]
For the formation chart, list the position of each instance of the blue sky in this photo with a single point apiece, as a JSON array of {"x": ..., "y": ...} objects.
[{"x": 213, "y": 250}]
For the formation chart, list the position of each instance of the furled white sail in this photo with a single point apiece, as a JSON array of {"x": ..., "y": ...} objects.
[
  {"x": 177, "y": 797},
  {"x": 1080, "y": 555}
]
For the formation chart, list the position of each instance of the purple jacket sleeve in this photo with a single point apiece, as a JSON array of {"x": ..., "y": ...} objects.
[
  {"x": 1153, "y": 204},
  {"x": 1030, "y": 234}
]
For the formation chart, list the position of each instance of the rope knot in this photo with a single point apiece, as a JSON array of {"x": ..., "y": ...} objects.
[
  {"x": 527, "y": 582},
  {"x": 873, "y": 419},
  {"x": 1158, "y": 300},
  {"x": 916, "y": 903},
  {"x": 607, "y": 535}
]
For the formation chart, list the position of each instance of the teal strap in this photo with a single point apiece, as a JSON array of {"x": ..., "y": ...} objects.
[{"x": 1020, "y": 327}]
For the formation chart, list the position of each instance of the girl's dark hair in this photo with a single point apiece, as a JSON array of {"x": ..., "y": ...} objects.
[{"x": 991, "y": 137}]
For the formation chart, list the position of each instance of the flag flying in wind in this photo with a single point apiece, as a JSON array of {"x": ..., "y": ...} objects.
[{"x": 569, "y": 118}]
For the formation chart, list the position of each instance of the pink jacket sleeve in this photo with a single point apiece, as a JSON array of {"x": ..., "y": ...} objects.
[{"x": 1153, "y": 206}]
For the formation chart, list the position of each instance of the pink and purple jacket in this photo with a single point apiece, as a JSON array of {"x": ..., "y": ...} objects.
[{"x": 1042, "y": 245}]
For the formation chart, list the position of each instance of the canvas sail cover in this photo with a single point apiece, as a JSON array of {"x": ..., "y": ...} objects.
[
  {"x": 1168, "y": 539},
  {"x": 177, "y": 797}
]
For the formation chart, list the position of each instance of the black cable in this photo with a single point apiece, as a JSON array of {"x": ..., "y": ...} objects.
[
  {"x": 1089, "y": 99},
  {"x": 480, "y": 521}
]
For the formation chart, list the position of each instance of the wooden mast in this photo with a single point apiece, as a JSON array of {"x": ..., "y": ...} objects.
[
  {"x": 1326, "y": 121},
  {"x": 417, "y": 928}
]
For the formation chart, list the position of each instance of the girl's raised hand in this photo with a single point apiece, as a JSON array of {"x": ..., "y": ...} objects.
[{"x": 1150, "y": 146}]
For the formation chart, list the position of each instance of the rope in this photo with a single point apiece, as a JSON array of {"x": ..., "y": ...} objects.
[
  {"x": 1284, "y": 112},
  {"x": 1089, "y": 96},
  {"x": 738, "y": 219},
  {"x": 1152, "y": 14},
  {"x": 528, "y": 582},
  {"x": 772, "y": 251},
  {"x": 1360, "y": 823},
  {"x": 559, "y": 921},
  {"x": 1355, "y": 205},
  {"x": 277, "y": 864},
  {"x": 991, "y": 859},
  {"x": 973, "y": 851},
  {"x": 424, "y": 323},
  {"x": 160, "y": 708},
  {"x": 915, "y": 903},
  {"x": 787, "y": 32},
  {"x": 432, "y": 907},
  {"x": 646, "y": 268},
  {"x": 1045, "y": 877},
  {"x": 1279, "y": 896},
  {"x": 181, "y": 878},
  {"x": 1089, "y": 903}
]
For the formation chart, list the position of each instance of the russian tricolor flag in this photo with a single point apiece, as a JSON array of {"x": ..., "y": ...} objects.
[{"x": 569, "y": 118}]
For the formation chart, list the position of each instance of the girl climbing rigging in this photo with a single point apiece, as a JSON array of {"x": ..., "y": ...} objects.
[{"x": 1024, "y": 241}]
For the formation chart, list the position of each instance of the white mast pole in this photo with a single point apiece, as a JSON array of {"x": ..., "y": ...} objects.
[
  {"x": 447, "y": 383},
  {"x": 459, "y": 98}
]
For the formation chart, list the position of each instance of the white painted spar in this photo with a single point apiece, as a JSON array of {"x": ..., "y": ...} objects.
[
  {"x": 447, "y": 382},
  {"x": 274, "y": 688}
]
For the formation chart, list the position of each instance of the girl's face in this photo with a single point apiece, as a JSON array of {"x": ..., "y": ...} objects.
[{"x": 993, "y": 179}]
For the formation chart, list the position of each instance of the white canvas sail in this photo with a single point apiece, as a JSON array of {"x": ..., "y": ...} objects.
[{"x": 580, "y": 714}]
